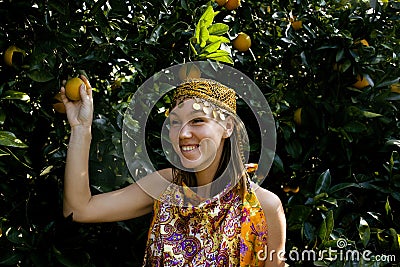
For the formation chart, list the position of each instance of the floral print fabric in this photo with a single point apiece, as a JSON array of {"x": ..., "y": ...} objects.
[{"x": 228, "y": 230}]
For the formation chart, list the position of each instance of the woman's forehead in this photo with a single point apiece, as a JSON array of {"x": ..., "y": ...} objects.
[{"x": 183, "y": 107}]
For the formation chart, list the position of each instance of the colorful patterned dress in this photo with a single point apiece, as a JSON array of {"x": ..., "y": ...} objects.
[{"x": 228, "y": 230}]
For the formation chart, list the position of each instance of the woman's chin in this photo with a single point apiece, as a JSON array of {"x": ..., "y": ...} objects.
[{"x": 196, "y": 165}]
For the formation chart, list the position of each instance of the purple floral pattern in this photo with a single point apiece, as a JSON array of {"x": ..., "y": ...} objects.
[{"x": 229, "y": 230}]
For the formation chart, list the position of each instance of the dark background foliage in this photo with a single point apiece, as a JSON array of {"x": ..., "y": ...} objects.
[{"x": 337, "y": 172}]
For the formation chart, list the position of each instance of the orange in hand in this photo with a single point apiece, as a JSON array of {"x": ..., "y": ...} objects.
[{"x": 72, "y": 89}]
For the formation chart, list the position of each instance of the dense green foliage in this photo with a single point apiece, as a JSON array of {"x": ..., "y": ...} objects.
[{"x": 337, "y": 173}]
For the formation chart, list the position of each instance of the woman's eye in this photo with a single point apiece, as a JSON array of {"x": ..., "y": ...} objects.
[
  {"x": 198, "y": 120},
  {"x": 174, "y": 122}
]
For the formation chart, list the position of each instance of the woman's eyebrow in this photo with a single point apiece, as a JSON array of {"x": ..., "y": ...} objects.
[{"x": 191, "y": 113}]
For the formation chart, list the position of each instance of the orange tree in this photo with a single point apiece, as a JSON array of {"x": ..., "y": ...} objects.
[{"x": 342, "y": 148}]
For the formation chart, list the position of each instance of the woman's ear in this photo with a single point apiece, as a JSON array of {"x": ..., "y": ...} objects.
[{"x": 229, "y": 126}]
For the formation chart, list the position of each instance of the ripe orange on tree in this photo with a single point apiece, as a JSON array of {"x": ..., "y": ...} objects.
[
  {"x": 242, "y": 42},
  {"x": 395, "y": 88},
  {"x": 297, "y": 116},
  {"x": 72, "y": 88},
  {"x": 10, "y": 53},
  {"x": 221, "y": 2},
  {"x": 232, "y": 4},
  {"x": 361, "y": 82},
  {"x": 288, "y": 189},
  {"x": 59, "y": 105},
  {"x": 363, "y": 42},
  {"x": 296, "y": 24},
  {"x": 189, "y": 71}
]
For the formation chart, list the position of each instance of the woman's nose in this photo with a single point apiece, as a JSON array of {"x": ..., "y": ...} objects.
[{"x": 185, "y": 132}]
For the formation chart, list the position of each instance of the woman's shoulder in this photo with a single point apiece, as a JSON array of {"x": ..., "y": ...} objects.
[
  {"x": 166, "y": 174},
  {"x": 269, "y": 201}
]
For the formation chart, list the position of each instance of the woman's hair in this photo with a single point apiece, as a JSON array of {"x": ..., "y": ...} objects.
[{"x": 223, "y": 99}]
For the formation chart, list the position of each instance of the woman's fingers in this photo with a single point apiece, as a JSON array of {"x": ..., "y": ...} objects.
[
  {"x": 88, "y": 86},
  {"x": 64, "y": 98}
]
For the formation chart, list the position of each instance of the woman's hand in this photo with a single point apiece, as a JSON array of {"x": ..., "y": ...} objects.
[{"x": 79, "y": 112}]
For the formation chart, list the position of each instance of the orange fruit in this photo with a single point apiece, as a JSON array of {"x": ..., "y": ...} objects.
[
  {"x": 189, "y": 71},
  {"x": 72, "y": 89},
  {"x": 297, "y": 25},
  {"x": 395, "y": 88},
  {"x": 232, "y": 4},
  {"x": 242, "y": 42},
  {"x": 361, "y": 82},
  {"x": 221, "y": 2},
  {"x": 288, "y": 189},
  {"x": 59, "y": 107},
  {"x": 10, "y": 52},
  {"x": 58, "y": 97},
  {"x": 363, "y": 42},
  {"x": 297, "y": 116}
]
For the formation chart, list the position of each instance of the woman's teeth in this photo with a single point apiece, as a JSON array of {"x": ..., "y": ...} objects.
[{"x": 188, "y": 148}]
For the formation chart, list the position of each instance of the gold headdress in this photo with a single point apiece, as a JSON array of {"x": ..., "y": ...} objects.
[{"x": 215, "y": 97}]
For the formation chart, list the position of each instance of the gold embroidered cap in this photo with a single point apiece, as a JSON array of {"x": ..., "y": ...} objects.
[{"x": 203, "y": 90}]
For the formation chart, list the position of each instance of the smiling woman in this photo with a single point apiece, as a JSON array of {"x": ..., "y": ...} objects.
[
  {"x": 215, "y": 218},
  {"x": 207, "y": 212}
]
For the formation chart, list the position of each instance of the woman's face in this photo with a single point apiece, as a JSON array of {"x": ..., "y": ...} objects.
[{"x": 197, "y": 137}]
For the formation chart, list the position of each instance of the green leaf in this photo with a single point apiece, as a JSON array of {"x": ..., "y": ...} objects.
[
  {"x": 354, "y": 127},
  {"x": 207, "y": 17},
  {"x": 341, "y": 186},
  {"x": 297, "y": 216},
  {"x": 14, "y": 236},
  {"x": 203, "y": 36},
  {"x": 10, "y": 94},
  {"x": 12, "y": 259},
  {"x": 2, "y": 116},
  {"x": 211, "y": 47},
  {"x": 308, "y": 231},
  {"x": 388, "y": 209},
  {"x": 339, "y": 55},
  {"x": 368, "y": 114},
  {"x": 329, "y": 224},
  {"x": 219, "y": 55},
  {"x": 40, "y": 76},
  {"x": 322, "y": 232},
  {"x": 323, "y": 182},
  {"x": 9, "y": 139},
  {"x": 3, "y": 153},
  {"x": 218, "y": 29},
  {"x": 395, "y": 239},
  {"x": 215, "y": 38},
  {"x": 364, "y": 231}
]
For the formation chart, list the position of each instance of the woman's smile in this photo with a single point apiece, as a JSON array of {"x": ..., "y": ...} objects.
[{"x": 189, "y": 148}]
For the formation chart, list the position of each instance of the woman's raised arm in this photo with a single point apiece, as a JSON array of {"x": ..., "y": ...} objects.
[{"x": 121, "y": 204}]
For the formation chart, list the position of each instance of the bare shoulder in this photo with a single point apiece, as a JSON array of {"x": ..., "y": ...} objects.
[
  {"x": 269, "y": 201},
  {"x": 166, "y": 174}
]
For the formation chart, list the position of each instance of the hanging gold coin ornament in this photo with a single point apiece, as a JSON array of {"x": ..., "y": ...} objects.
[
  {"x": 215, "y": 114},
  {"x": 206, "y": 104},
  {"x": 167, "y": 113},
  {"x": 196, "y": 106},
  {"x": 207, "y": 110}
]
